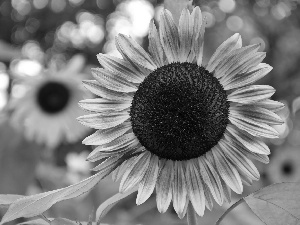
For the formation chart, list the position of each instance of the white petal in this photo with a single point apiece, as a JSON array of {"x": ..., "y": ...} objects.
[
  {"x": 257, "y": 114},
  {"x": 164, "y": 186},
  {"x": 108, "y": 163},
  {"x": 103, "y": 120},
  {"x": 228, "y": 173},
  {"x": 232, "y": 142},
  {"x": 195, "y": 187},
  {"x": 185, "y": 38},
  {"x": 102, "y": 105},
  {"x": 128, "y": 150},
  {"x": 242, "y": 163},
  {"x": 232, "y": 43},
  {"x": 112, "y": 80},
  {"x": 118, "y": 173},
  {"x": 252, "y": 143},
  {"x": 133, "y": 52},
  {"x": 248, "y": 77},
  {"x": 234, "y": 58},
  {"x": 119, "y": 142},
  {"x": 252, "y": 127},
  {"x": 148, "y": 183},
  {"x": 97, "y": 89},
  {"x": 241, "y": 66},
  {"x": 169, "y": 36},
  {"x": 179, "y": 189},
  {"x": 211, "y": 179},
  {"x": 270, "y": 105},
  {"x": 227, "y": 191},
  {"x": 155, "y": 47},
  {"x": 198, "y": 23},
  {"x": 101, "y": 137},
  {"x": 135, "y": 172},
  {"x": 252, "y": 93},
  {"x": 120, "y": 66},
  {"x": 208, "y": 197}
]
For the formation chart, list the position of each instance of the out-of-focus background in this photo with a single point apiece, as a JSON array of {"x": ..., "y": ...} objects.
[{"x": 40, "y": 34}]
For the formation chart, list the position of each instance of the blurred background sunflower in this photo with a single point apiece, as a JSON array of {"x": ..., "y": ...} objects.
[
  {"x": 30, "y": 42},
  {"x": 47, "y": 109}
]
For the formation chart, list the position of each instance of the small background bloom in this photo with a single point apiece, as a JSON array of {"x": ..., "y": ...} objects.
[{"x": 90, "y": 27}]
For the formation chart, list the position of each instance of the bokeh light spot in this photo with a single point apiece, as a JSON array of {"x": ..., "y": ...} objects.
[
  {"x": 227, "y": 6},
  {"x": 259, "y": 40},
  {"x": 234, "y": 23}
]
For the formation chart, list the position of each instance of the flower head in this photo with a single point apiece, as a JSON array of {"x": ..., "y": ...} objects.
[
  {"x": 48, "y": 109},
  {"x": 167, "y": 121}
]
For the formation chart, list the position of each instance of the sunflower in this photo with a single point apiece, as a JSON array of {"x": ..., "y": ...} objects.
[
  {"x": 167, "y": 122},
  {"x": 285, "y": 165},
  {"x": 48, "y": 110}
]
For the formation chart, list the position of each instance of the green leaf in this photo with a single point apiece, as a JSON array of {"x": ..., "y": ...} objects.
[
  {"x": 277, "y": 204},
  {"x": 62, "y": 221},
  {"x": 104, "y": 208},
  {"x": 35, "y": 222},
  {"x": 6, "y": 200},
  {"x": 37, "y": 204},
  {"x": 57, "y": 221}
]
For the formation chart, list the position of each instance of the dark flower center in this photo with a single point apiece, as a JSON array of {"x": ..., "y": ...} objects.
[
  {"x": 53, "y": 97},
  {"x": 287, "y": 168},
  {"x": 179, "y": 112}
]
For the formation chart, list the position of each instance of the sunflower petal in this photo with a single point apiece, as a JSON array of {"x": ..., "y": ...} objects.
[
  {"x": 119, "y": 142},
  {"x": 252, "y": 127},
  {"x": 134, "y": 53},
  {"x": 179, "y": 189},
  {"x": 135, "y": 172},
  {"x": 211, "y": 179},
  {"x": 252, "y": 143},
  {"x": 270, "y": 105},
  {"x": 115, "y": 160},
  {"x": 227, "y": 171},
  {"x": 169, "y": 36},
  {"x": 232, "y": 142},
  {"x": 257, "y": 114},
  {"x": 112, "y": 80},
  {"x": 226, "y": 191},
  {"x": 128, "y": 147},
  {"x": 95, "y": 87},
  {"x": 252, "y": 93},
  {"x": 232, "y": 43},
  {"x": 195, "y": 187},
  {"x": 164, "y": 186},
  {"x": 155, "y": 47},
  {"x": 208, "y": 197},
  {"x": 103, "y": 120},
  {"x": 184, "y": 35},
  {"x": 101, "y": 137},
  {"x": 147, "y": 185},
  {"x": 248, "y": 77},
  {"x": 102, "y": 105},
  {"x": 121, "y": 67},
  {"x": 118, "y": 173},
  {"x": 241, "y": 162},
  {"x": 242, "y": 65},
  {"x": 234, "y": 58}
]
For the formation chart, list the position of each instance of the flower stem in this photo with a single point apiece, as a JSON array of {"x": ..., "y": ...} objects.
[
  {"x": 191, "y": 215},
  {"x": 229, "y": 210}
]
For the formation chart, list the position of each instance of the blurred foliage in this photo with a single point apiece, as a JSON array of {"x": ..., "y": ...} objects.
[{"x": 52, "y": 31}]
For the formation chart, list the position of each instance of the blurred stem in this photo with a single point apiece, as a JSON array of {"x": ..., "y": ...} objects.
[
  {"x": 43, "y": 217},
  {"x": 229, "y": 210},
  {"x": 191, "y": 215}
]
